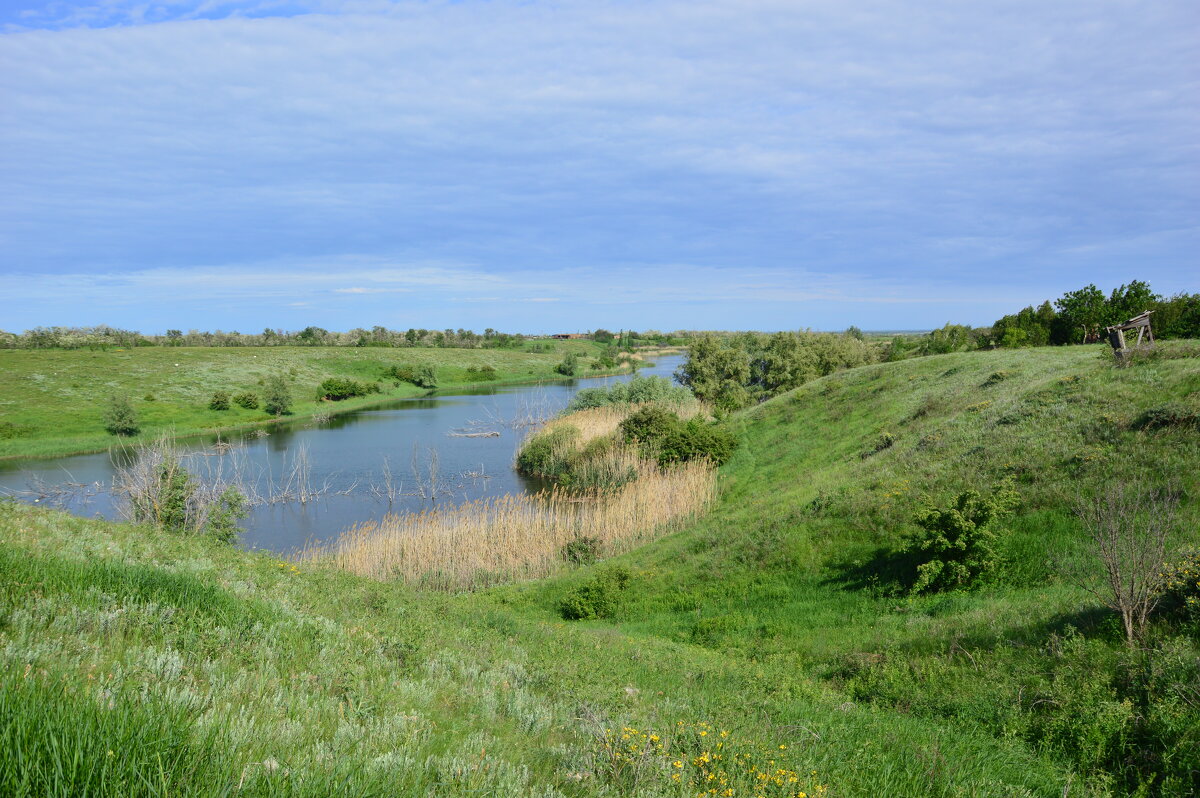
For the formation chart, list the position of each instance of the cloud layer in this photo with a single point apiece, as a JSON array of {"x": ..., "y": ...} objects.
[{"x": 419, "y": 157}]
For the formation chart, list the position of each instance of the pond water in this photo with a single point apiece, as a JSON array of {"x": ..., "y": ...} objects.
[{"x": 403, "y": 455}]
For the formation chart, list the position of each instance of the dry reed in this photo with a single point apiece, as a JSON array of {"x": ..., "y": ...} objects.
[{"x": 486, "y": 542}]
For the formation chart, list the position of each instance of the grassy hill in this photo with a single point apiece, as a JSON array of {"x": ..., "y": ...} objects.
[
  {"x": 52, "y": 401},
  {"x": 771, "y": 645}
]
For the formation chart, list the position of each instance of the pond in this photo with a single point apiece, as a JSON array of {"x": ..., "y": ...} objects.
[{"x": 312, "y": 480}]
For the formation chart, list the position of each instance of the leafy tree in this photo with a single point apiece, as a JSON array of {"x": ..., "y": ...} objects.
[
  {"x": 1129, "y": 301},
  {"x": 1082, "y": 312},
  {"x": 603, "y": 336},
  {"x": 717, "y": 372},
  {"x": 277, "y": 396},
  {"x": 569, "y": 365},
  {"x": 119, "y": 417}
]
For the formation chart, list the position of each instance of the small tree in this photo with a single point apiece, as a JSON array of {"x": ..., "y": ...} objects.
[
  {"x": 277, "y": 397},
  {"x": 119, "y": 418},
  {"x": 219, "y": 401},
  {"x": 956, "y": 546},
  {"x": 569, "y": 365},
  {"x": 1129, "y": 525}
]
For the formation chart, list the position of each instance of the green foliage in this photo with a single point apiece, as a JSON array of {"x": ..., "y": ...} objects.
[
  {"x": 661, "y": 434},
  {"x": 425, "y": 376},
  {"x": 277, "y": 395},
  {"x": 583, "y": 550},
  {"x": 569, "y": 365},
  {"x": 638, "y": 390},
  {"x": 481, "y": 373},
  {"x": 599, "y": 597},
  {"x": 717, "y": 372},
  {"x": 548, "y": 454},
  {"x": 246, "y": 399},
  {"x": 219, "y": 401},
  {"x": 9, "y": 430},
  {"x": 556, "y": 455},
  {"x": 885, "y": 440},
  {"x": 336, "y": 389},
  {"x": 1181, "y": 587},
  {"x": 649, "y": 426},
  {"x": 120, "y": 418},
  {"x": 230, "y": 508},
  {"x": 957, "y": 547},
  {"x": 695, "y": 439}
]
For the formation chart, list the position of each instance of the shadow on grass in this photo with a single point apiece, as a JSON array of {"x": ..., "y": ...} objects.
[{"x": 881, "y": 572}]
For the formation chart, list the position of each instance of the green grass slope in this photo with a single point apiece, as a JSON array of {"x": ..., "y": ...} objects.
[
  {"x": 761, "y": 647},
  {"x": 52, "y": 401},
  {"x": 797, "y": 570}
]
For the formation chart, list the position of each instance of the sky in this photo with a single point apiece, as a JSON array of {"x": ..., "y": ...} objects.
[{"x": 561, "y": 166}]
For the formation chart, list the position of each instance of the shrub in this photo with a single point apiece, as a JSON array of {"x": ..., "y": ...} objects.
[
  {"x": 638, "y": 390},
  {"x": 246, "y": 399},
  {"x": 661, "y": 434},
  {"x": 583, "y": 550},
  {"x": 1181, "y": 586},
  {"x": 548, "y": 453},
  {"x": 336, "y": 389},
  {"x": 9, "y": 430},
  {"x": 420, "y": 376},
  {"x": 219, "y": 401},
  {"x": 119, "y": 417},
  {"x": 482, "y": 373},
  {"x": 277, "y": 397},
  {"x": 695, "y": 439},
  {"x": 649, "y": 426},
  {"x": 424, "y": 377},
  {"x": 886, "y": 440},
  {"x": 569, "y": 365},
  {"x": 597, "y": 598},
  {"x": 956, "y": 547},
  {"x": 149, "y": 398}
]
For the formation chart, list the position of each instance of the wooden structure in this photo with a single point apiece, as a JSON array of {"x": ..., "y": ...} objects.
[{"x": 1116, "y": 334}]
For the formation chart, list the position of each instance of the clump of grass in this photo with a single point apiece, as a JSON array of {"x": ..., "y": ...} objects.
[{"x": 487, "y": 542}]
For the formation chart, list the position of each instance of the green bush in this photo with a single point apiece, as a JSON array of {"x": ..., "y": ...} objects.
[
  {"x": 597, "y": 598},
  {"x": 662, "y": 435},
  {"x": 336, "y": 389},
  {"x": 219, "y": 401},
  {"x": 420, "y": 376},
  {"x": 119, "y": 417},
  {"x": 1181, "y": 587},
  {"x": 277, "y": 397},
  {"x": 482, "y": 373},
  {"x": 695, "y": 439},
  {"x": 583, "y": 550},
  {"x": 569, "y": 365},
  {"x": 548, "y": 453},
  {"x": 246, "y": 399},
  {"x": 649, "y": 426},
  {"x": 956, "y": 547},
  {"x": 638, "y": 390}
]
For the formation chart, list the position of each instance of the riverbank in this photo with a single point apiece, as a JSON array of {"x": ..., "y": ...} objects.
[{"x": 52, "y": 401}]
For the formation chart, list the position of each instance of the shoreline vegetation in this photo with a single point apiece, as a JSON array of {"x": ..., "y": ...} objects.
[
  {"x": 54, "y": 399},
  {"x": 795, "y": 636},
  {"x": 617, "y": 498}
]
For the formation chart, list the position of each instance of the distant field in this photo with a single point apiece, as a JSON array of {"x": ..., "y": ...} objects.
[{"x": 52, "y": 401}]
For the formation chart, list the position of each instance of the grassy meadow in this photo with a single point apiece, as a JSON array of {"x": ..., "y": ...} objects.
[
  {"x": 764, "y": 648},
  {"x": 52, "y": 401}
]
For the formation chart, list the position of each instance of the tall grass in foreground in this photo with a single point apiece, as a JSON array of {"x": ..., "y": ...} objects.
[{"x": 486, "y": 542}]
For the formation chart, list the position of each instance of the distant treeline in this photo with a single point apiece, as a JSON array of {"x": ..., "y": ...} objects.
[
  {"x": 1077, "y": 317},
  {"x": 105, "y": 337}
]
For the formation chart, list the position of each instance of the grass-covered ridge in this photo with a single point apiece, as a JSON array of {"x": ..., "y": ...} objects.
[
  {"x": 53, "y": 401},
  {"x": 770, "y": 619}
]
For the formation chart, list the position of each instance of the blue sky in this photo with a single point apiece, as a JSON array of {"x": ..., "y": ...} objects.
[{"x": 536, "y": 166}]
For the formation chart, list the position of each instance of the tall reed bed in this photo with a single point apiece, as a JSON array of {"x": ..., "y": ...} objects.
[{"x": 486, "y": 542}]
